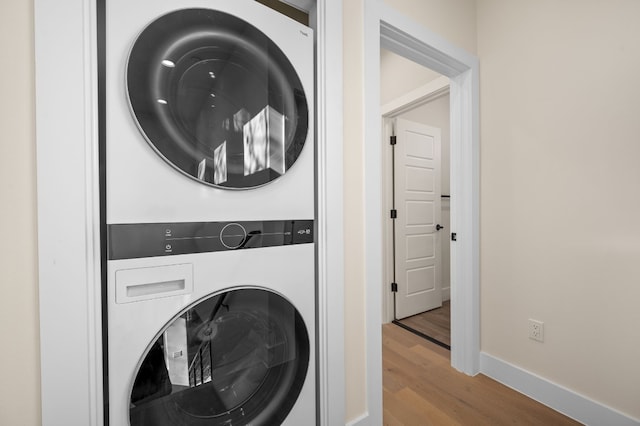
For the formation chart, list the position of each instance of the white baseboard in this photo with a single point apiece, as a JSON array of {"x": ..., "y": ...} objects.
[
  {"x": 359, "y": 421},
  {"x": 561, "y": 399}
]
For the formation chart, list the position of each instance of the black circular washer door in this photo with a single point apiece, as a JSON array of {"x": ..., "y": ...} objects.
[
  {"x": 217, "y": 99},
  {"x": 235, "y": 358}
]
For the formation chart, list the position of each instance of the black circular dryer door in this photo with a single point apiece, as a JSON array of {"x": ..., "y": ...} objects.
[
  {"x": 217, "y": 99},
  {"x": 236, "y": 358}
]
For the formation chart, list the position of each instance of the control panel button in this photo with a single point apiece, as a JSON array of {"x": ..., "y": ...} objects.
[{"x": 233, "y": 235}]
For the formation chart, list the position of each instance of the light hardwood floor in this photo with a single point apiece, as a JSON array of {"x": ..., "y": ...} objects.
[{"x": 420, "y": 388}]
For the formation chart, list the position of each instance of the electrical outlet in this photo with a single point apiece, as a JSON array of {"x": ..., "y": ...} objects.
[{"x": 536, "y": 330}]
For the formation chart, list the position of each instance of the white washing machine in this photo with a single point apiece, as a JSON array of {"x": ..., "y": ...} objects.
[
  {"x": 209, "y": 212},
  {"x": 222, "y": 337}
]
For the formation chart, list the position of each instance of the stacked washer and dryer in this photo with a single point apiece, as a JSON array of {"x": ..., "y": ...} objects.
[{"x": 209, "y": 208}]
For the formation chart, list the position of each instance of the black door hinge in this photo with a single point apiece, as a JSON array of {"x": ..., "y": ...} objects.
[
  {"x": 394, "y": 287},
  {"x": 394, "y": 213},
  {"x": 454, "y": 236},
  {"x": 392, "y": 140}
]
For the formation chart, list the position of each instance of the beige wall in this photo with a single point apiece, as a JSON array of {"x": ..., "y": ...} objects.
[
  {"x": 354, "y": 324},
  {"x": 19, "y": 356},
  {"x": 399, "y": 75},
  {"x": 454, "y": 20},
  {"x": 560, "y": 152}
]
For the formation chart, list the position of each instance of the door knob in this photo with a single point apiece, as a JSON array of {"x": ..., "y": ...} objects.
[{"x": 439, "y": 227}]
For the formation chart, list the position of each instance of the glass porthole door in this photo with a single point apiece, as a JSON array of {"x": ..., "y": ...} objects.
[
  {"x": 235, "y": 358},
  {"x": 217, "y": 99}
]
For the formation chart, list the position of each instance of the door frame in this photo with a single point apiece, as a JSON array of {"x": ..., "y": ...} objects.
[
  {"x": 385, "y": 27},
  {"x": 388, "y": 112}
]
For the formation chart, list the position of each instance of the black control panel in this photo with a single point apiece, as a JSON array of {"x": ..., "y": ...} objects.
[{"x": 130, "y": 241}]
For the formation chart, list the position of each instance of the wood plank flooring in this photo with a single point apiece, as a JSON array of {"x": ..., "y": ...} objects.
[
  {"x": 420, "y": 388},
  {"x": 435, "y": 323}
]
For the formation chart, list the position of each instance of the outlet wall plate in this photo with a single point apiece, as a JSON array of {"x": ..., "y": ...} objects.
[{"x": 536, "y": 330}]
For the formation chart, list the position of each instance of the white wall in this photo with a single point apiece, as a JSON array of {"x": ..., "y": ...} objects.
[
  {"x": 560, "y": 235},
  {"x": 19, "y": 356}
]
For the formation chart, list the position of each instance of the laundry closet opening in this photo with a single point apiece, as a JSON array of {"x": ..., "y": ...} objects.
[{"x": 207, "y": 147}]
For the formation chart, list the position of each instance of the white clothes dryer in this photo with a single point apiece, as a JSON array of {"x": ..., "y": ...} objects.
[
  {"x": 209, "y": 112},
  {"x": 221, "y": 334}
]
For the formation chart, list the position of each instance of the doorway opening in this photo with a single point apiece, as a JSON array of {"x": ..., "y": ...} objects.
[
  {"x": 385, "y": 27},
  {"x": 415, "y": 116}
]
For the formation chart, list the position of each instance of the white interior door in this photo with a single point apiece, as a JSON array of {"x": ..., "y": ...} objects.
[{"x": 417, "y": 203}]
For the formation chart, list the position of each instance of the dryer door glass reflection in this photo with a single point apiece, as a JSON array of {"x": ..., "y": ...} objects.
[
  {"x": 235, "y": 358},
  {"x": 217, "y": 99}
]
